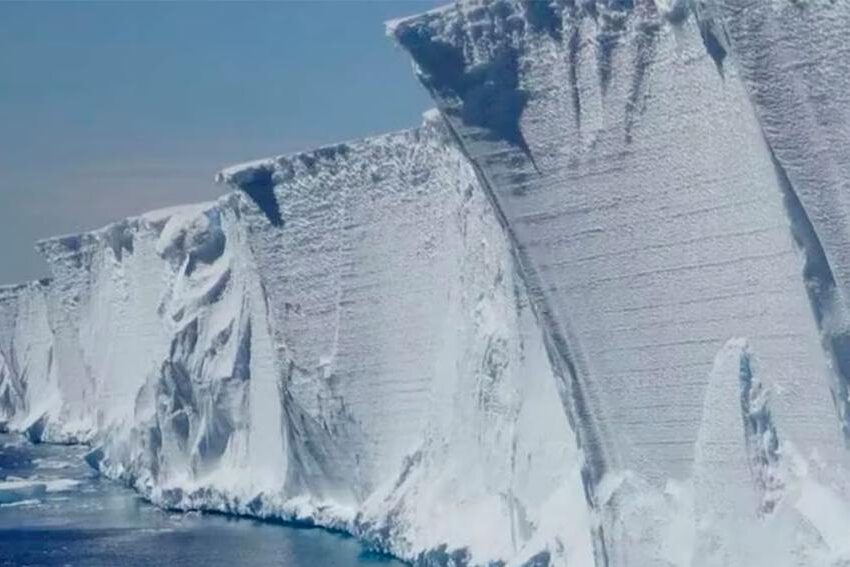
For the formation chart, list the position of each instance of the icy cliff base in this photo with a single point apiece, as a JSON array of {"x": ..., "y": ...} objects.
[{"x": 670, "y": 181}]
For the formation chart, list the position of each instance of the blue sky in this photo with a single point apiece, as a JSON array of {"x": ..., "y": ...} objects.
[{"x": 110, "y": 109}]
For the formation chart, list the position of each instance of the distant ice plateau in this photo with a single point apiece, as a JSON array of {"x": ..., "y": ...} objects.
[{"x": 593, "y": 312}]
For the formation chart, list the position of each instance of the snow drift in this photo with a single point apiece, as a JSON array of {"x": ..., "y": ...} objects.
[{"x": 592, "y": 312}]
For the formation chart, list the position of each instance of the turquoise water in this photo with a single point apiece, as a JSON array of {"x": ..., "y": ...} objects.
[{"x": 84, "y": 520}]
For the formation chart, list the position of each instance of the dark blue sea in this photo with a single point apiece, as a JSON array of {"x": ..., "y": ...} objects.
[{"x": 55, "y": 510}]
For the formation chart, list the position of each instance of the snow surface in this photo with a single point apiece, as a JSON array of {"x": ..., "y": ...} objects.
[{"x": 593, "y": 312}]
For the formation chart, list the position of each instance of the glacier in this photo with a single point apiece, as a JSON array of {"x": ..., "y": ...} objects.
[
  {"x": 343, "y": 341},
  {"x": 593, "y": 311}
]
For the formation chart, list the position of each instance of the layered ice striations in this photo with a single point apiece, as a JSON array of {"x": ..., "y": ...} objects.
[
  {"x": 663, "y": 195},
  {"x": 416, "y": 388},
  {"x": 591, "y": 312}
]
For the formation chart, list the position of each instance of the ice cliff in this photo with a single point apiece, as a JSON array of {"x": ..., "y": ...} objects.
[
  {"x": 592, "y": 312},
  {"x": 671, "y": 177},
  {"x": 417, "y": 390},
  {"x": 28, "y": 377},
  {"x": 345, "y": 341}
]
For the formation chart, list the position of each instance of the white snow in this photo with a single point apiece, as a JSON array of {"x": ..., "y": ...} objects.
[{"x": 592, "y": 313}]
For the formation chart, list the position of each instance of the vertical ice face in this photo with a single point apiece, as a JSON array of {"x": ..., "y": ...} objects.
[
  {"x": 498, "y": 465},
  {"x": 507, "y": 337},
  {"x": 351, "y": 242},
  {"x": 347, "y": 341},
  {"x": 12, "y": 388},
  {"x": 793, "y": 59},
  {"x": 413, "y": 370},
  {"x": 161, "y": 324},
  {"x": 108, "y": 334},
  {"x": 356, "y": 248},
  {"x": 619, "y": 144},
  {"x": 28, "y": 375},
  {"x": 208, "y": 415}
]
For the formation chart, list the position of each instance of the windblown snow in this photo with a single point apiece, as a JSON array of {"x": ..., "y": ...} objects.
[{"x": 593, "y": 312}]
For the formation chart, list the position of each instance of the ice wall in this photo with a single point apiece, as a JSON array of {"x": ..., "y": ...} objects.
[
  {"x": 107, "y": 332},
  {"x": 592, "y": 312},
  {"x": 793, "y": 60},
  {"x": 12, "y": 388},
  {"x": 357, "y": 270},
  {"x": 28, "y": 375},
  {"x": 411, "y": 361},
  {"x": 159, "y": 323},
  {"x": 649, "y": 205},
  {"x": 345, "y": 341},
  {"x": 205, "y": 414}
]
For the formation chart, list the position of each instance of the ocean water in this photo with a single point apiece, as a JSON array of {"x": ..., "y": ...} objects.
[{"x": 55, "y": 510}]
